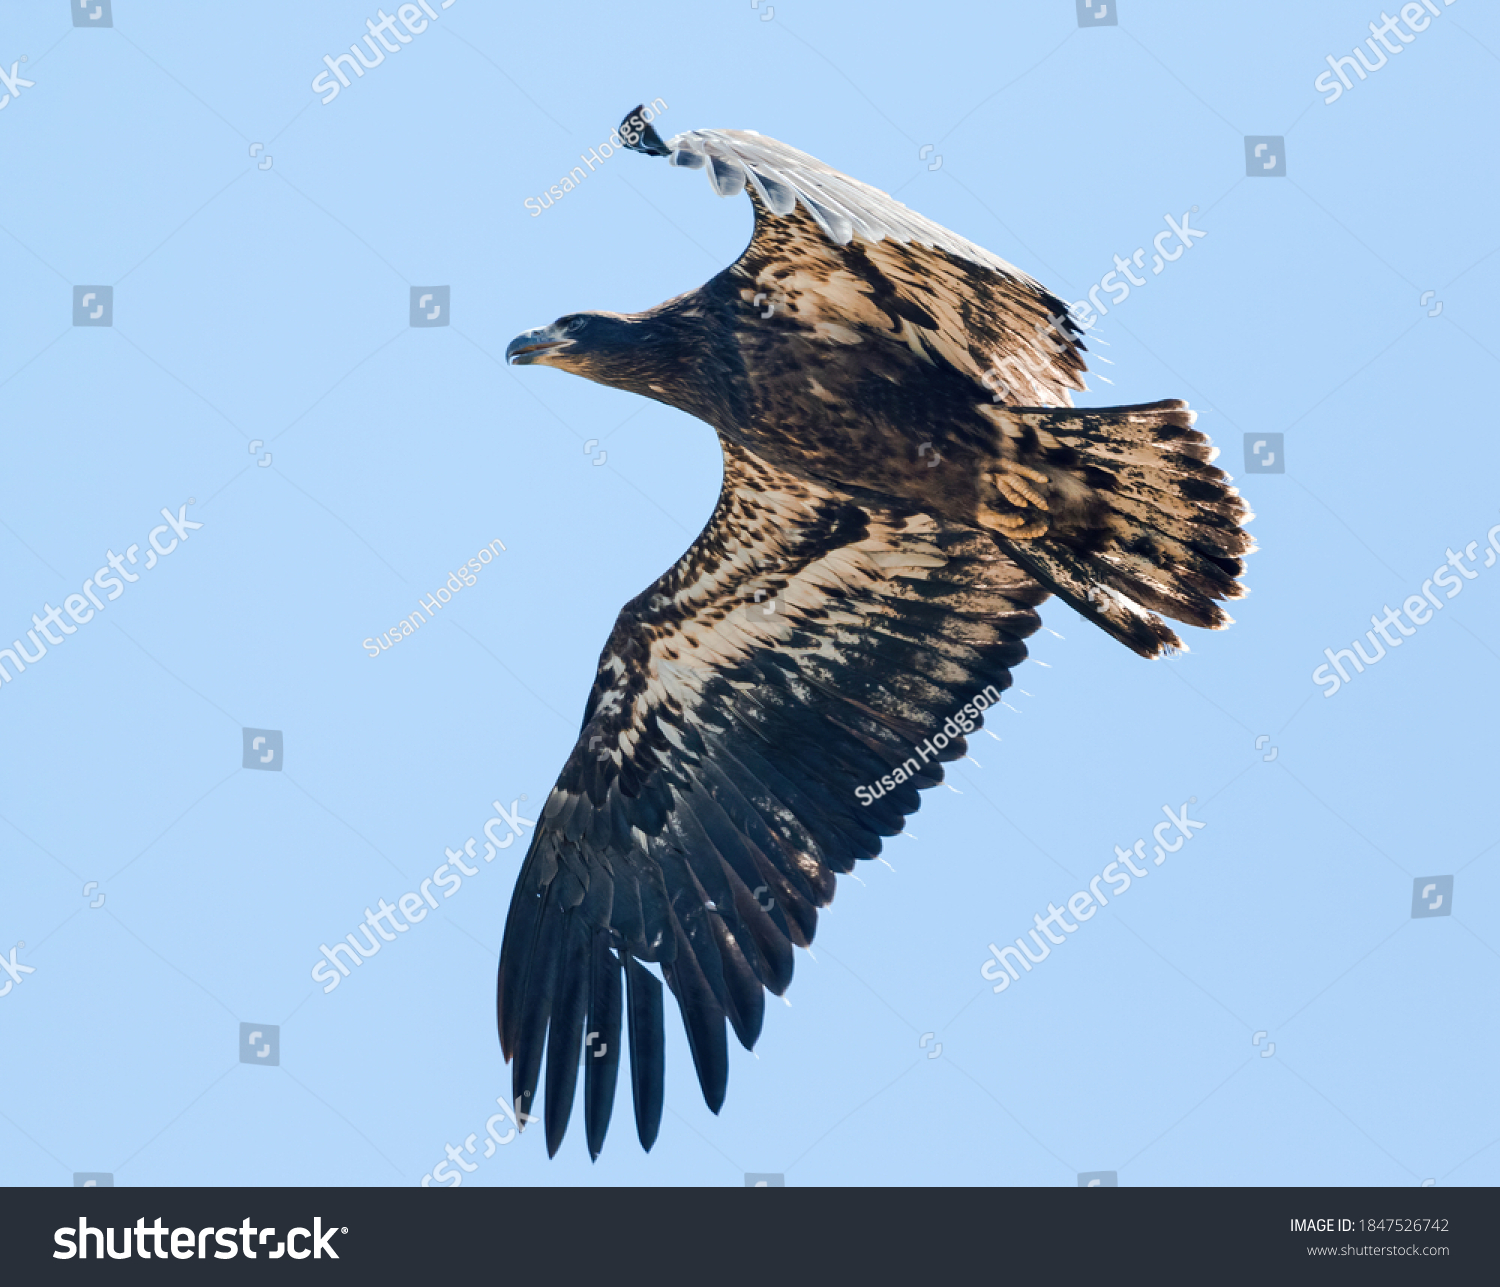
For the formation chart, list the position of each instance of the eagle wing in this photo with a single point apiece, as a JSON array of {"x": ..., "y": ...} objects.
[
  {"x": 820, "y": 232},
  {"x": 805, "y": 646}
]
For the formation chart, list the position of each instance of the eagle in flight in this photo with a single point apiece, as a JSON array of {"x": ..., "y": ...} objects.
[{"x": 905, "y": 481}]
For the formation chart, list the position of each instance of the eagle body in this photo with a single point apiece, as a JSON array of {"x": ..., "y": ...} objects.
[
  {"x": 905, "y": 481},
  {"x": 848, "y": 401}
]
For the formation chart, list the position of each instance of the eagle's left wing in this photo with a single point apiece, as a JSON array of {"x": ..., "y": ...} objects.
[
  {"x": 806, "y": 646},
  {"x": 849, "y": 255}
]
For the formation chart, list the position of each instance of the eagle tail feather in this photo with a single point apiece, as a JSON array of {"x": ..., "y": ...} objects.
[{"x": 1120, "y": 512}]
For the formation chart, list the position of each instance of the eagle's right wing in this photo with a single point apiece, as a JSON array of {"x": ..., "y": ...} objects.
[{"x": 806, "y": 647}]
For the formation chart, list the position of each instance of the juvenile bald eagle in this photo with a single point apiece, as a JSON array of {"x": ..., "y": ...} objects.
[{"x": 892, "y": 514}]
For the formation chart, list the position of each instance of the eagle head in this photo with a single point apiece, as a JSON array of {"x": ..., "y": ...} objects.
[
  {"x": 656, "y": 354},
  {"x": 607, "y": 347}
]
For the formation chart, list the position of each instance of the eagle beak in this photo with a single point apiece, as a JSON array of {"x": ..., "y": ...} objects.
[{"x": 531, "y": 346}]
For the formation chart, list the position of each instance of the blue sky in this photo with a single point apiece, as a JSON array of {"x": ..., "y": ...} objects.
[{"x": 1263, "y": 1008}]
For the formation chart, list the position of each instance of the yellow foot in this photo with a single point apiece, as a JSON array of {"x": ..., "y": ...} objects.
[
  {"x": 1014, "y": 482},
  {"x": 1016, "y": 527},
  {"x": 1022, "y": 487}
]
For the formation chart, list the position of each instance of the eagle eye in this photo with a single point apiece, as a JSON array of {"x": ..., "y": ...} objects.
[{"x": 574, "y": 325}]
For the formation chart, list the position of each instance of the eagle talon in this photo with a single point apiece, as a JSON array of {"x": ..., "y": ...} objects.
[
  {"x": 1037, "y": 527},
  {"x": 1015, "y": 527},
  {"x": 1036, "y": 475},
  {"x": 1014, "y": 482}
]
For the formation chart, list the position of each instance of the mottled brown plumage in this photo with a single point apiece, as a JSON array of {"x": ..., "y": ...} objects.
[{"x": 905, "y": 480}]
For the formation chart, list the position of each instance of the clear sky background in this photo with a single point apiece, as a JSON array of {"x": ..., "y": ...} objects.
[{"x": 1262, "y": 1009}]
